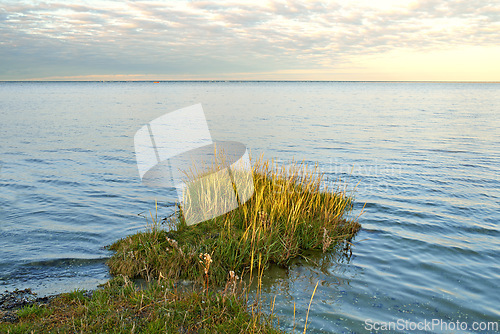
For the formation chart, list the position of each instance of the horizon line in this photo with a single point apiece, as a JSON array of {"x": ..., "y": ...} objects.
[{"x": 235, "y": 80}]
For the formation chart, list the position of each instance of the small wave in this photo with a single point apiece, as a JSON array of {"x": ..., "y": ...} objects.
[
  {"x": 38, "y": 161},
  {"x": 64, "y": 262},
  {"x": 60, "y": 182},
  {"x": 447, "y": 151},
  {"x": 76, "y": 149},
  {"x": 17, "y": 186}
]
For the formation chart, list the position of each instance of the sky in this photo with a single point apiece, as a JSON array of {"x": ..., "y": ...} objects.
[{"x": 359, "y": 40}]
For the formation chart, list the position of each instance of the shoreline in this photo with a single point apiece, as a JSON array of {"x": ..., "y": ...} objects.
[{"x": 12, "y": 301}]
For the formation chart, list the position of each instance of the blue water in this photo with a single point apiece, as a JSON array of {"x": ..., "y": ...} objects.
[{"x": 425, "y": 158}]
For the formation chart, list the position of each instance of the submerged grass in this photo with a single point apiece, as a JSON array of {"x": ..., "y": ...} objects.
[{"x": 290, "y": 212}]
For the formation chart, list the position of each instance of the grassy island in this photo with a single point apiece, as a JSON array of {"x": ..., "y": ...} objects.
[{"x": 290, "y": 212}]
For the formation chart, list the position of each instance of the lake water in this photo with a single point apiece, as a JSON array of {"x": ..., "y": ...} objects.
[{"x": 426, "y": 156}]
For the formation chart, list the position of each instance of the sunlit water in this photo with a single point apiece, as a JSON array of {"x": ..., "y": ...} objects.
[{"x": 426, "y": 156}]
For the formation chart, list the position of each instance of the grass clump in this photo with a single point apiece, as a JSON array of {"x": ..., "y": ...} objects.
[
  {"x": 121, "y": 307},
  {"x": 289, "y": 212},
  {"x": 33, "y": 311}
]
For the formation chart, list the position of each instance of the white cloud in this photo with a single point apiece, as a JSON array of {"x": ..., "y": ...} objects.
[{"x": 57, "y": 38}]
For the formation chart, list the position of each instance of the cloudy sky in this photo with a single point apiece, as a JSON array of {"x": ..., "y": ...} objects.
[{"x": 450, "y": 40}]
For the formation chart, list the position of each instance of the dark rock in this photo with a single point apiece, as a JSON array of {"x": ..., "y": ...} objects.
[{"x": 14, "y": 300}]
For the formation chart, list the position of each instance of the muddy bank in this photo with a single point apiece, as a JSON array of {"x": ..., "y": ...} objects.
[
  {"x": 10, "y": 301},
  {"x": 14, "y": 300}
]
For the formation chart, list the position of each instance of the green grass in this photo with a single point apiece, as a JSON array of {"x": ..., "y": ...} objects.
[
  {"x": 289, "y": 213},
  {"x": 121, "y": 307},
  {"x": 33, "y": 311}
]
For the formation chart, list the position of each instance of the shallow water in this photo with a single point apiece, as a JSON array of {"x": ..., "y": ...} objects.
[{"x": 426, "y": 156}]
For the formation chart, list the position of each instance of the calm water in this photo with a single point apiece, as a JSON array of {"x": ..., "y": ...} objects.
[{"x": 426, "y": 156}]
